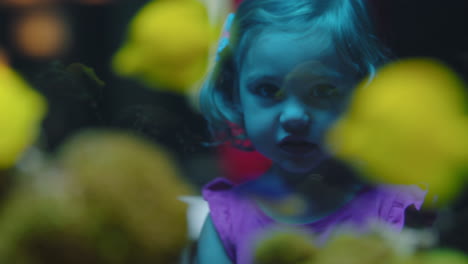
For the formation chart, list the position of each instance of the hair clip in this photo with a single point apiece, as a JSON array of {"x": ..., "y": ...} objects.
[{"x": 224, "y": 40}]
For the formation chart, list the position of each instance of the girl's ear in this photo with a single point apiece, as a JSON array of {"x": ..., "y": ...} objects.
[
  {"x": 226, "y": 90},
  {"x": 231, "y": 108}
]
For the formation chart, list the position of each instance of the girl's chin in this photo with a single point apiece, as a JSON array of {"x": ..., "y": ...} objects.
[
  {"x": 300, "y": 167},
  {"x": 303, "y": 165},
  {"x": 297, "y": 170}
]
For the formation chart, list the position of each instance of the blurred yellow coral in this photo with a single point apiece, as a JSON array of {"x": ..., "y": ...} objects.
[
  {"x": 379, "y": 245},
  {"x": 285, "y": 247},
  {"x": 39, "y": 225},
  {"x": 168, "y": 45},
  {"x": 354, "y": 249},
  {"x": 108, "y": 198},
  {"x": 378, "y": 248},
  {"x": 21, "y": 112},
  {"x": 133, "y": 182},
  {"x": 442, "y": 256},
  {"x": 345, "y": 245},
  {"x": 408, "y": 125}
]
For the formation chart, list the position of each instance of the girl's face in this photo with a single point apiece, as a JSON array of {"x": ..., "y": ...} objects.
[{"x": 292, "y": 88}]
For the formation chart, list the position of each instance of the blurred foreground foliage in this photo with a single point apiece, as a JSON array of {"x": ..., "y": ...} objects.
[
  {"x": 22, "y": 111},
  {"x": 107, "y": 197},
  {"x": 408, "y": 125},
  {"x": 168, "y": 45},
  {"x": 379, "y": 246}
]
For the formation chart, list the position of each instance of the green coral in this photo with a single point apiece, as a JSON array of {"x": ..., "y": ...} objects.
[
  {"x": 346, "y": 245},
  {"x": 285, "y": 247}
]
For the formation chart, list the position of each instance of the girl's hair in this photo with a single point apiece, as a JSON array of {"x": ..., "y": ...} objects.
[{"x": 346, "y": 20}]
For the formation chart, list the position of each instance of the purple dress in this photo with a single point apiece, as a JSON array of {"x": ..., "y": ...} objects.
[{"x": 238, "y": 220}]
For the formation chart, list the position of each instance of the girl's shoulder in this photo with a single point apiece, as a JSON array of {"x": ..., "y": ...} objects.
[
  {"x": 233, "y": 215},
  {"x": 393, "y": 200},
  {"x": 220, "y": 194},
  {"x": 218, "y": 185},
  {"x": 226, "y": 200},
  {"x": 222, "y": 191}
]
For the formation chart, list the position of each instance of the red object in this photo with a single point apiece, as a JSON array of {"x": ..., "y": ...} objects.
[
  {"x": 237, "y": 3},
  {"x": 240, "y": 166}
]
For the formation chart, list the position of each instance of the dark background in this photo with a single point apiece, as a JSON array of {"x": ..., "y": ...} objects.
[
  {"x": 409, "y": 28},
  {"x": 76, "y": 103}
]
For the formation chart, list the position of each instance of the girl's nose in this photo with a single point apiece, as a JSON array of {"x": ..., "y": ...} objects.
[{"x": 295, "y": 118}]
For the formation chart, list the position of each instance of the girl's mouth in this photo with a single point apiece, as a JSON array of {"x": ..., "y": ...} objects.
[{"x": 297, "y": 147}]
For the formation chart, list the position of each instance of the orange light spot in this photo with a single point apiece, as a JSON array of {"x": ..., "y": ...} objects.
[
  {"x": 24, "y": 3},
  {"x": 41, "y": 33},
  {"x": 94, "y": 2}
]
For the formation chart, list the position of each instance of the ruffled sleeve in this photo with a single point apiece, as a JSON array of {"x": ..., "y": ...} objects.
[
  {"x": 396, "y": 199},
  {"x": 219, "y": 195}
]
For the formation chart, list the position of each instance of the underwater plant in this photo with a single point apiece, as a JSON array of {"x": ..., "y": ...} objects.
[
  {"x": 75, "y": 96},
  {"x": 108, "y": 197},
  {"x": 347, "y": 245},
  {"x": 21, "y": 112},
  {"x": 408, "y": 125},
  {"x": 168, "y": 45},
  {"x": 285, "y": 246}
]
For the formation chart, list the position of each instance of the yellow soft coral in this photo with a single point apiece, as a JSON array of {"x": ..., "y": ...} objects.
[
  {"x": 132, "y": 184},
  {"x": 21, "y": 112},
  {"x": 352, "y": 249},
  {"x": 378, "y": 245},
  {"x": 285, "y": 247},
  {"x": 442, "y": 256},
  {"x": 345, "y": 245},
  {"x": 408, "y": 125},
  {"x": 108, "y": 198},
  {"x": 168, "y": 45}
]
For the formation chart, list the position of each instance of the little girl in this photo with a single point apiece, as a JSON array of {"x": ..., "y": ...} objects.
[{"x": 284, "y": 76}]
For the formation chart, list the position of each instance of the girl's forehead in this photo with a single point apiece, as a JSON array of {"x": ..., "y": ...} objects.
[
  {"x": 319, "y": 38},
  {"x": 280, "y": 53}
]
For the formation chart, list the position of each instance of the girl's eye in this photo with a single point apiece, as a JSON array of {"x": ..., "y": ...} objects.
[
  {"x": 267, "y": 90},
  {"x": 325, "y": 91},
  {"x": 325, "y": 96}
]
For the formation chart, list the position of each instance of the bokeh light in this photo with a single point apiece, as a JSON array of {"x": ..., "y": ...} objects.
[
  {"x": 41, "y": 33},
  {"x": 29, "y": 3},
  {"x": 25, "y": 3}
]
